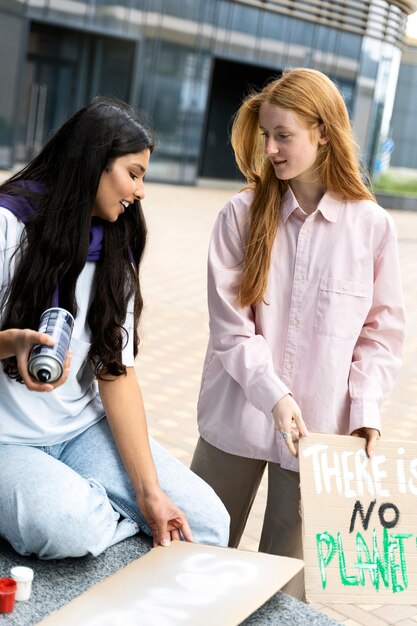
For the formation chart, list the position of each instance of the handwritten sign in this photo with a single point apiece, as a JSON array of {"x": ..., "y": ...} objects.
[
  {"x": 359, "y": 520},
  {"x": 183, "y": 584}
]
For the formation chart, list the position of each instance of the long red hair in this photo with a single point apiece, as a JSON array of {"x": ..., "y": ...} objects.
[{"x": 316, "y": 100}]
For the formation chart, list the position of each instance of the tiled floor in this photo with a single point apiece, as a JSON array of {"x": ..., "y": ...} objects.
[{"x": 174, "y": 335}]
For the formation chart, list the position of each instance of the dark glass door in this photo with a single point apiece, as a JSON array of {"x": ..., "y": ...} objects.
[
  {"x": 63, "y": 70},
  {"x": 231, "y": 81}
]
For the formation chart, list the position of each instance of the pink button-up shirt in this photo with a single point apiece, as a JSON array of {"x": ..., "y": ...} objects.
[{"x": 329, "y": 331}]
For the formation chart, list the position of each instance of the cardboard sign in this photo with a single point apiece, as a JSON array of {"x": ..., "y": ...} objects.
[
  {"x": 185, "y": 583},
  {"x": 359, "y": 520}
]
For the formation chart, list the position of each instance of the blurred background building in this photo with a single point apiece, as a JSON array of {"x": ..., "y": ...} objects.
[
  {"x": 188, "y": 63},
  {"x": 404, "y": 117}
]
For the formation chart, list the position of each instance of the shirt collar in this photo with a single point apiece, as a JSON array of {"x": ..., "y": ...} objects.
[{"x": 329, "y": 206}]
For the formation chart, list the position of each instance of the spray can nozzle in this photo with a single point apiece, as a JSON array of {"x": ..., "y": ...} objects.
[{"x": 43, "y": 375}]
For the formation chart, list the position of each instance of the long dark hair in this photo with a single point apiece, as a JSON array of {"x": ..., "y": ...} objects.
[{"x": 55, "y": 242}]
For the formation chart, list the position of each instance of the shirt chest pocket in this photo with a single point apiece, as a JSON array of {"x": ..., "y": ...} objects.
[
  {"x": 342, "y": 307},
  {"x": 81, "y": 376}
]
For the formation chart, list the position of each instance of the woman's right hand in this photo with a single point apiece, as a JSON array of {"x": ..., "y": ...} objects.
[
  {"x": 288, "y": 422},
  {"x": 166, "y": 521},
  {"x": 20, "y": 342}
]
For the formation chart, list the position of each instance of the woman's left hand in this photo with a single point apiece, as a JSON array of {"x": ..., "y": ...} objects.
[
  {"x": 165, "y": 519},
  {"x": 371, "y": 435},
  {"x": 289, "y": 422}
]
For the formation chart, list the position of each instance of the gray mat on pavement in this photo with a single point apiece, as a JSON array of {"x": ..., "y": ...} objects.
[{"x": 57, "y": 582}]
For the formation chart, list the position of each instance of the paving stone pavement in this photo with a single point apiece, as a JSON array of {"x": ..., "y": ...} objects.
[
  {"x": 174, "y": 335},
  {"x": 174, "y": 332}
]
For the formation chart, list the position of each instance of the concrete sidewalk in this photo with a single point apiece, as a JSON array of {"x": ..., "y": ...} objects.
[{"x": 175, "y": 331}]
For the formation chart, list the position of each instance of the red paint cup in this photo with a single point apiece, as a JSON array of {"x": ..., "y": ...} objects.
[{"x": 7, "y": 594}]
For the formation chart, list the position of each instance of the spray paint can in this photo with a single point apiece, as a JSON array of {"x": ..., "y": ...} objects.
[{"x": 46, "y": 363}]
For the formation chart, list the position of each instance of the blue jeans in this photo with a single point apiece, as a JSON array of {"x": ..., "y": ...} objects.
[{"x": 75, "y": 498}]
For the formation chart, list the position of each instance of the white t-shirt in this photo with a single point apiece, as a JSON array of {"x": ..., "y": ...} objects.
[{"x": 30, "y": 417}]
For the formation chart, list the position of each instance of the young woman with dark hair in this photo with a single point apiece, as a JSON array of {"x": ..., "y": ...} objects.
[
  {"x": 78, "y": 472},
  {"x": 305, "y": 303}
]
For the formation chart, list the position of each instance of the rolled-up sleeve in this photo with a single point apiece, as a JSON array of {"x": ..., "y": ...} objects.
[
  {"x": 377, "y": 355},
  {"x": 2, "y": 250},
  {"x": 244, "y": 355},
  {"x": 10, "y": 233},
  {"x": 128, "y": 358}
]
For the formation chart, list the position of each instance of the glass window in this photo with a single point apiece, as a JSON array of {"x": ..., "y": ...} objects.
[
  {"x": 43, "y": 41},
  {"x": 245, "y": 19},
  {"x": 347, "y": 89},
  {"x": 349, "y": 45},
  {"x": 371, "y": 53},
  {"x": 112, "y": 70},
  {"x": 275, "y": 26},
  {"x": 186, "y": 9},
  {"x": 77, "y": 11},
  {"x": 174, "y": 94}
]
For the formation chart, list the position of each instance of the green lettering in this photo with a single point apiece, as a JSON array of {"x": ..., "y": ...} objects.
[
  {"x": 379, "y": 566},
  {"x": 324, "y": 560},
  {"x": 364, "y": 562},
  {"x": 403, "y": 565},
  {"x": 347, "y": 581},
  {"x": 390, "y": 547},
  {"x": 382, "y": 565}
]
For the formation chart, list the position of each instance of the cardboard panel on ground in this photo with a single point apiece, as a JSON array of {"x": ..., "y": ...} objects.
[
  {"x": 359, "y": 520},
  {"x": 182, "y": 584}
]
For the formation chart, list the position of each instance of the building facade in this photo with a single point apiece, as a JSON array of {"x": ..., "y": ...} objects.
[
  {"x": 188, "y": 63},
  {"x": 403, "y": 122}
]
